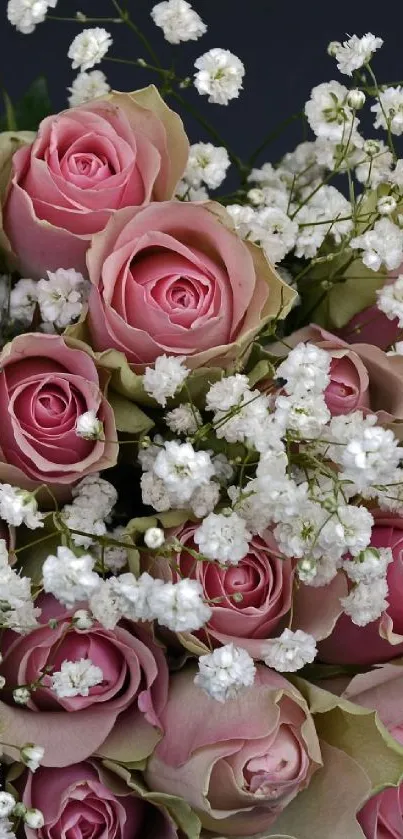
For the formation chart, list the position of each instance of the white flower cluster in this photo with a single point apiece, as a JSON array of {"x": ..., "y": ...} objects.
[
  {"x": 88, "y": 86},
  {"x": 93, "y": 501},
  {"x": 390, "y": 300},
  {"x": 89, "y": 48},
  {"x": 355, "y": 52},
  {"x": 178, "y": 21},
  {"x": 177, "y": 476},
  {"x": 76, "y": 678},
  {"x": 60, "y": 298},
  {"x": 225, "y": 672},
  {"x": 219, "y": 75},
  {"x": 207, "y": 164},
  {"x": 26, "y": 14},
  {"x": 18, "y": 506},
  {"x": 165, "y": 378},
  {"x": 17, "y": 610}
]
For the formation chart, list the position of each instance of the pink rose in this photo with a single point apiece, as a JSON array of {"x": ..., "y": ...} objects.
[
  {"x": 121, "y": 150},
  {"x": 46, "y": 382},
  {"x": 381, "y": 690},
  {"x": 262, "y": 580},
  {"x": 240, "y": 763},
  {"x": 121, "y": 715},
  {"x": 371, "y": 326},
  {"x": 175, "y": 278},
  {"x": 362, "y": 377},
  {"x": 85, "y": 800},
  {"x": 382, "y": 639}
]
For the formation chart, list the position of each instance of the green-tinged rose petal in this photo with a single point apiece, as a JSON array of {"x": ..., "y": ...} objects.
[
  {"x": 10, "y": 142},
  {"x": 182, "y": 815},
  {"x": 357, "y": 731},
  {"x": 132, "y": 740}
]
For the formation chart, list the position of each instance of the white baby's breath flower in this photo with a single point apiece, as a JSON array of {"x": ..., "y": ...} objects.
[
  {"x": 89, "y": 47},
  {"x": 34, "y": 818},
  {"x": 383, "y": 245},
  {"x": 206, "y": 164},
  {"x": 225, "y": 672},
  {"x": 366, "y": 601},
  {"x": 76, "y": 678},
  {"x": 32, "y": 755},
  {"x": 7, "y": 804},
  {"x": 154, "y": 537},
  {"x": 185, "y": 419},
  {"x": 219, "y": 76},
  {"x": 290, "y": 652},
  {"x": 165, "y": 378},
  {"x": 374, "y": 164},
  {"x": 88, "y": 426},
  {"x": 389, "y": 110},
  {"x": 23, "y": 299},
  {"x": 88, "y": 86},
  {"x": 275, "y": 231},
  {"x": 182, "y": 470},
  {"x": 355, "y": 52},
  {"x": 21, "y": 696},
  {"x": 178, "y": 21},
  {"x": 68, "y": 577},
  {"x": 328, "y": 113},
  {"x": 61, "y": 296},
  {"x": 18, "y": 506},
  {"x": 179, "y": 606},
  {"x": 390, "y": 300},
  {"x": 26, "y": 14},
  {"x": 223, "y": 538}
]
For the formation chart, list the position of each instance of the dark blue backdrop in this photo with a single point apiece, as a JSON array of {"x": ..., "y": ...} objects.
[{"x": 283, "y": 45}]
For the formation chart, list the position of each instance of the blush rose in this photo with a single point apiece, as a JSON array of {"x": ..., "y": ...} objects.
[
  {"x": 175, "y": 278},
  {"x": 238, "y": 764},
  {"x": 46, "y": 382},
  {"x": 120, "y": 150},
  {"x": 123, "y": 713},
  {"x": 85, "y": 800}
]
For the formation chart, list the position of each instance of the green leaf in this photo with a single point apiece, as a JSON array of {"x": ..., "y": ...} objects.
[
  {"x": 31, "y": 109},
  {"x": 129, "y": 417},
  {"x": 35, "y": 546}
]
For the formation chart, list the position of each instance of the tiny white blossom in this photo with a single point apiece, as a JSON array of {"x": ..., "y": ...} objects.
[
  {"x": 381, "y": 245},
  {"x": 204, "y": 499},
  {"x": 76, "y": 678},
  {"x": 61, "y": 296},
  {"x": 374, "y": 164},
  {"x": 366, "y": 602},
  {"x": 88, "y": 86},
  {"x": 7, "y": 804},
  {"x": 355, "y": 52},
  {"x": 390, "y": 300},
  {"x": 179, "y": 606},
  {"x": 185, "y": 192},
  {"x": 178, "y": 21},
  {"x": 88, "y": 426},
  {"x": 356, "y": 99},
  {"x": 89, "y": 47},
  {"x": 154, "y": 537},
  {"x": 275, "y": 231},
  {"x": 21, "y": 696},
  {"x": 223, "y": 538},
  {"x": 226, "y": 393},
  {"x": 23, "y": 298},
  {"x": 306, "y": 415},
  {"x": 82, "y": 619},
  {"x": 68, "y": 577},
  {"x": 96, "y": 494},
  {"x": 219, "y": 76},
  {"x": 18, "y": 506},
  {"x": 182, "y": 470},
  {"x": 185, "y": 419},
  {"x": 289, "y": 652},
  {"x": 328, "y": 113},
  {"x": 225, "y": 672},
  {"x": 208, "y": 164},
  {"x": 165, "y": 378},
  {"x": 33, "y": 818},
  {"x": 389, "y": 110},
  {"x": 79, "y": 516},
  {"x": 6, "y": 831},
  {"x": 154, "y": 492},
  {"x": 370, "y": 459},
  {"x": 26, "y": 14},
  {"x": 371, "y": 564},
  {"x": 32, "y": 755},
  {"x": 242, "y": 217},
  {"x": 386, "y": 205},
  {"x": 305, "y": 370}
]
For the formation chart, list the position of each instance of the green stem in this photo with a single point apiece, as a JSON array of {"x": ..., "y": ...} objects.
[
  {"x": 273, "y": 134},
  {"x": 125, "y": 17},
  {"x": 87, "y": 19}
]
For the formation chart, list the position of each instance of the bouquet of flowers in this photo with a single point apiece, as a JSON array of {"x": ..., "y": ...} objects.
[{"x": 201, "y": 469}]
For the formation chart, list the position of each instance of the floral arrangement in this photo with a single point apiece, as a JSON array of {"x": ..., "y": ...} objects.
[{"x": 201, "y": 469}]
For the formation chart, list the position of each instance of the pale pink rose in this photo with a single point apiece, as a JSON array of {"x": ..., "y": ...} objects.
[
  {"x": 240, "y": 763},
  {"x": 46, "y": 382},
  {"x": 370, "y": 326},
  {"x": 262, "y": 580},
  {"x": 85, "y": 800},
  {"x": 362, "y": 376},
  {"x": 381, "y": 690},
  {"x": 121, "y": 150},
  {"x": 123, "y": 712},
  {"x": 175, "y": 278},
  {"x": 380, "y": 640}
]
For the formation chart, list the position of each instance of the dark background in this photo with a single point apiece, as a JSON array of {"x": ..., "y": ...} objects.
[{"x": 282, "y": 44}]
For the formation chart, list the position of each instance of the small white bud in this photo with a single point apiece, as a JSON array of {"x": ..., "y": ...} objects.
[
  {"x": 7, "y": 804},
  {"x": 386, "y": 205},
  {"x": 333, "y": 48},
  {"x": 89, "y": 427},
  {"x": 21, "y": 696},
  {"x": 31, "y": 755},
  {"x": 154, "y": 537},
  {"x": 256, "y": 196},
  {"x": 356, "y": 99},
  {"x": 82, "y": 619},
  {"x": 372, "y": 147},
  {"x": 34, "y": 818}
]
